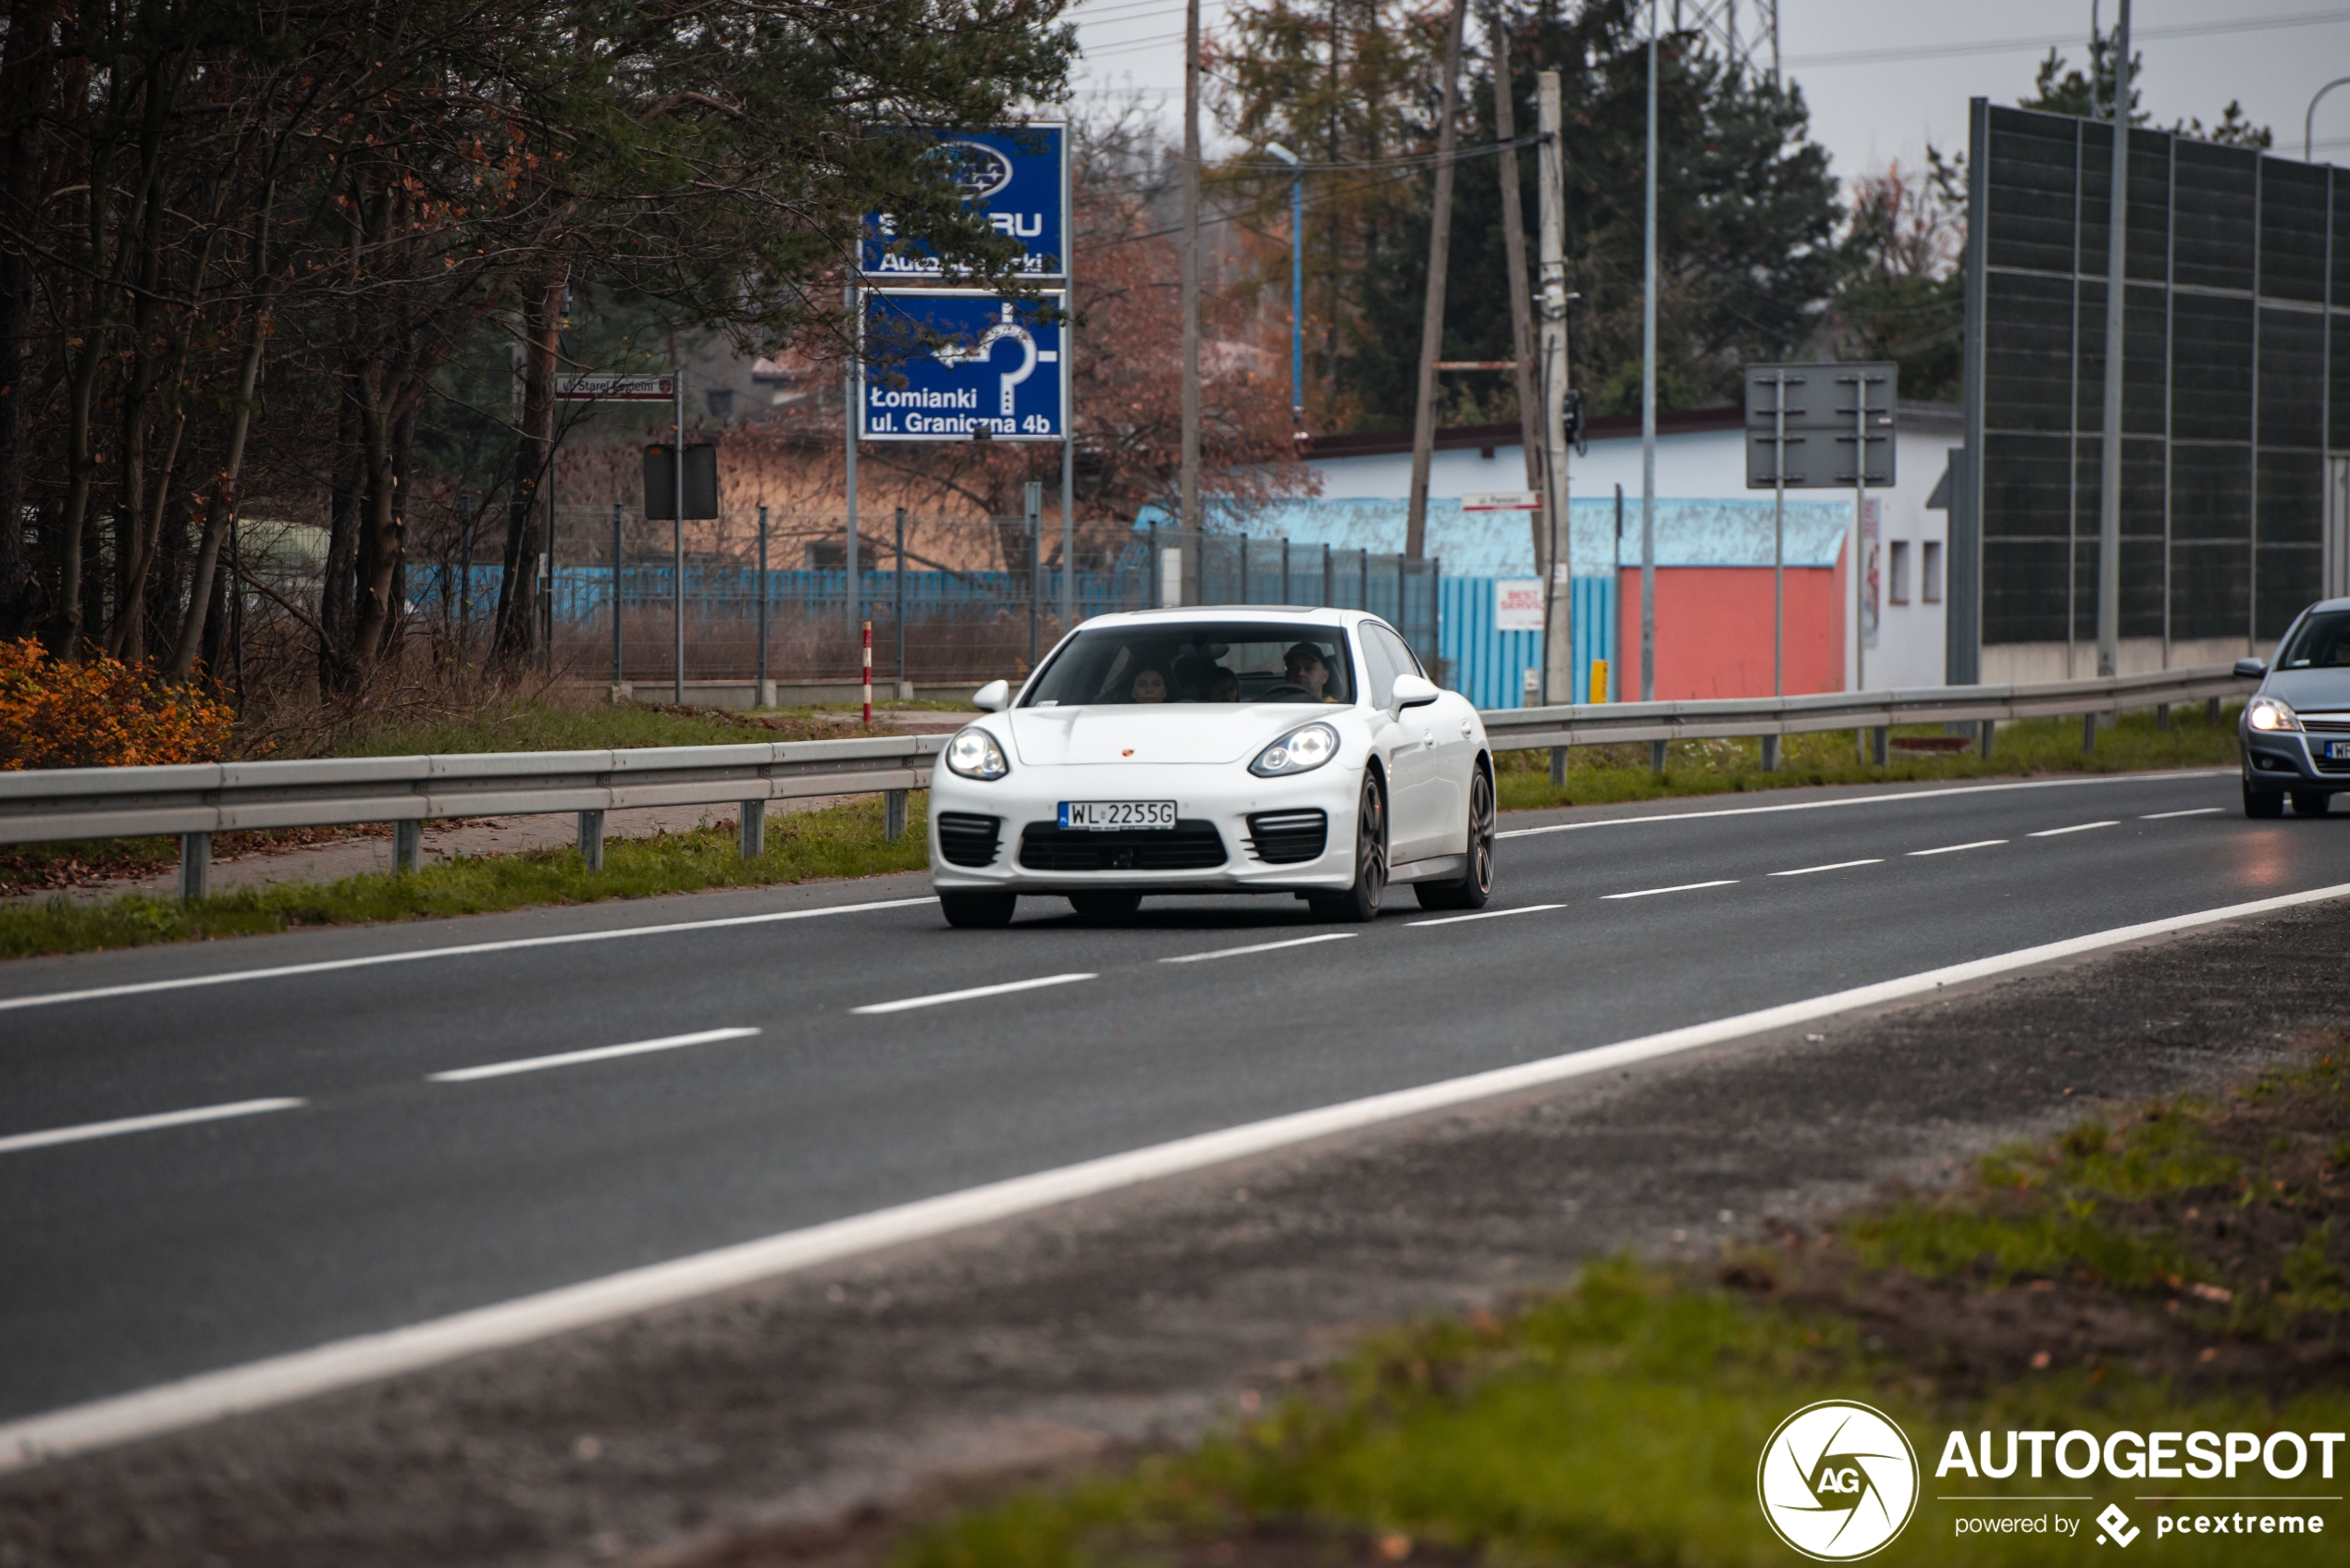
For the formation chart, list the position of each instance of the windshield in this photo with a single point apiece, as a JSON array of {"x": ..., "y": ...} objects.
[
  {"x": 2322, "y": 642},
  {"x": 1199, "y": 661}
]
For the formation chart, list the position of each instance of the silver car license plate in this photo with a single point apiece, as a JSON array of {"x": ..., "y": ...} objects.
[{"x": 1107, "y": 816}]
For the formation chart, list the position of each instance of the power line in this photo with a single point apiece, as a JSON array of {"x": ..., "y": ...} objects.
[{"x": 2058, "y": 41}]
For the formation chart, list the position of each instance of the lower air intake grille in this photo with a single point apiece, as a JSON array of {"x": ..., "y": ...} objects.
[
  {"x": 1283, "y": 838},
  {"x": 1188, "y": 846},
  {"x": 969, "y": 840}
]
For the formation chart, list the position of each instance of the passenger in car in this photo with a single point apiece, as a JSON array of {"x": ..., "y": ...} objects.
[
  {"x": 1149, "y": 686},
  {"x": 1223, "y": 685},
  {"x": 1191, "y": 676}
]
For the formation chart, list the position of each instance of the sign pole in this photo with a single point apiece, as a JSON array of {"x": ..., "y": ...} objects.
[
  {"x": 677, "y": 524},
  {"x": 763, "y": 603},
  {"x": 615, "y": 593},
  {"x": 1778, "y": 537},
  {"x": 856, "y": 410},
  {"x": 1860, "y": 530}
]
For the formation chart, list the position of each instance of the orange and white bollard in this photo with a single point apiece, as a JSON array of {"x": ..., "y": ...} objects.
[{"x": 868, "y": 674}]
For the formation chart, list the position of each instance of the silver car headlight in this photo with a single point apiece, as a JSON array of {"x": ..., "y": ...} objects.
[
  {"x": 974, "y": 754},
  {"x": 2268, "y": 713},
  {"x": 1299, "y": 751}
]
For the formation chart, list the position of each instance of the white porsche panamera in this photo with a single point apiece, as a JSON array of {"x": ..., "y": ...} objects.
[{"x": 1215, "y": 751}]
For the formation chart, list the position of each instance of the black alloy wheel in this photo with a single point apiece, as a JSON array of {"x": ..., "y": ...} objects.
[
  {"x": 1476, "y": 884},
  {"x": 978, "y": 910},
  {"x": 1106, "y": 905},
  {"x": 1361, "y": 901},
  {"x": 2262, "y": 802},
  {"x": 2311, "y": 802}
]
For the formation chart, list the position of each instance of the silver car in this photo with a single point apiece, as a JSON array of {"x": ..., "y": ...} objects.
[{"x": 2296, "y": 728}]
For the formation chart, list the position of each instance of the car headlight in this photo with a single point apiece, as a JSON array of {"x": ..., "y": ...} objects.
[
  {"x": 974, "y": 754},
  {"x": 2268, "y": 713},
  {"x": 1299, "y": 751}
]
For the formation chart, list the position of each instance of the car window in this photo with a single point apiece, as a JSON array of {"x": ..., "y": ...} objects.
[
  {"x": 2320, "y": 642},
  {"x": 1399, "y": 652},
  {"x": 1183, "y": 662},
  {"x": 1379, "y": 671}
]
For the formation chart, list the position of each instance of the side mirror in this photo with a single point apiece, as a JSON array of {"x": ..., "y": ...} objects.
[
  {"x": 995, "y": 697},
  {"x": 1415, "y": 691},
  {"x": 2252, "y": 668}
]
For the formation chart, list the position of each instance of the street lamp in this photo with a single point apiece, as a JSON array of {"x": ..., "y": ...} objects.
[
  {"x": 2310, "y": 120},
  {"x": 1296, "y": 279}
]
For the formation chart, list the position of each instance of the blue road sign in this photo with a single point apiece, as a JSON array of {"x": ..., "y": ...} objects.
[
  {"x": 941, "y": 365},
  {"x": 1019, "y": 177}
]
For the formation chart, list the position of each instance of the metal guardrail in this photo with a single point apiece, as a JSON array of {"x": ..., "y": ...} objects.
[
  {"x": 196, "y": 800},
  {"x": 1615, "y": 722}
]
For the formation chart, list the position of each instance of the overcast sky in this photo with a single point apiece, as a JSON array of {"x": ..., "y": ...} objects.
[{"x": 1871, "y": 112}]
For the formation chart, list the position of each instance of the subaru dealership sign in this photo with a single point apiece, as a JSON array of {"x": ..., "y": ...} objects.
[
  {"x": 1019, "y": 178},
  {"x": 941, "y": 366}
]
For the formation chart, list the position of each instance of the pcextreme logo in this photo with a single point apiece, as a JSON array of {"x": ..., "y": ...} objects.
[{"x": 1838, "y": 1480}]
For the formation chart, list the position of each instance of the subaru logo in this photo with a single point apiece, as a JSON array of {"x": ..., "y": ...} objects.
[{"x": 979, "y": 169}]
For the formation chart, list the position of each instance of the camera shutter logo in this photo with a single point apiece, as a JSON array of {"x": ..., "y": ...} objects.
[{"x": 1838, "y": 1480}]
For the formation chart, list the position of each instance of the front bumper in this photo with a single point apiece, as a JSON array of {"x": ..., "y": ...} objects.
[
  {"x": 1221, "y": 797},
  {"x": 2292, "y": 759}
]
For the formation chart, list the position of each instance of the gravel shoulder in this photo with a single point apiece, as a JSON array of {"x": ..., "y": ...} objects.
[{"x": 798, "y": 1420}]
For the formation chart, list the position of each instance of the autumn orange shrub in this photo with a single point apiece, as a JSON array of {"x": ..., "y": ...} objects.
[{"x": 55, "y": 714}]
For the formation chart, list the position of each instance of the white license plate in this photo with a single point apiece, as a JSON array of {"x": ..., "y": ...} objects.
[
  {"x": 2338, "y": 750},
  {"x": 1110, "y": 815}
]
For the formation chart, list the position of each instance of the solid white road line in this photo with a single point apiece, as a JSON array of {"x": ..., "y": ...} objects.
[
  {"x": 1874, "y": 799},
  {"x": 89, "y": 1130},
  {"x": 965, "y": 996},
  {"x": 1839, "y": 866},
  {"x": 368, "y": 1357},
  {"x": 2196, "y": 811},
  {"x": 2077, "y": 827},
  {"x": 1954, "y": 848},
  {"x": 1684, "y": 887},
  {"x": 465, "y": 950},
  {"x": 1486, "y": 915},
  {"x": 1260, "y": 947},
  {"x": 593, "y": 1053}
]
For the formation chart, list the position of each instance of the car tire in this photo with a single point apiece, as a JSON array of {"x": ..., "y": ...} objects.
[
  {"x": 1476, "y": 884},
  {"x": 978, "y": 910},
  {"x": 2262, "y": 802},
  {"x": 1106, "y": 906},
  {"x": 1361, "y": 901},
  {"x": 2311, "y": 802}
]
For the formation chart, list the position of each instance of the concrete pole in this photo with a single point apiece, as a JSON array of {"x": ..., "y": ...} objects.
[
  {"x": 1439, "y": 251},
  {"x": 1648, "y": 396},
  {"x": 1188, "y": 497},
  {"x": 1530, "y": 408},
  {"x": 2109, "y": 484},
  {"x": 1558, "y": 543}
]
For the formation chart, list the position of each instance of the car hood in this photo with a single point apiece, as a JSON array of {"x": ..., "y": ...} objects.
[
  {"x": 2318, "y": 691},
  {"x": 1177, "y": 732}
]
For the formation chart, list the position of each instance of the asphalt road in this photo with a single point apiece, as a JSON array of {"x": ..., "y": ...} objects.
[{"x": 386, "y": 1194}]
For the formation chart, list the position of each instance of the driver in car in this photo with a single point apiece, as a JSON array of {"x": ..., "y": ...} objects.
[
  {"x": 1149, "y": 686},
  {"x": 1306, "y": 669}
]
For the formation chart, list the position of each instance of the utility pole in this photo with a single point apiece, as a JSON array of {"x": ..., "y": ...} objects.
[
  {"x": 1557, "y": 551},
  {"x": 1440, "y": 248},
  {"x": 1189, "y": 498},
  {"x": 2109, "y": 484},
  {"x": 1648, "y": 397},
  {"x": 1296, "y": 284},
  {"x": 1529, "y": 409}
]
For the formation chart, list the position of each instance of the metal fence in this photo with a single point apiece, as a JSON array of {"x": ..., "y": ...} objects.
[{"x": 950, "y": 599}]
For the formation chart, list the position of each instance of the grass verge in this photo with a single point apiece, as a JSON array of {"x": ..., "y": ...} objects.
[
  {"x": 1605, "y": 774},
  {"x": 840, "y": 840},
  {"x": 2178, "y": 1271}
]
